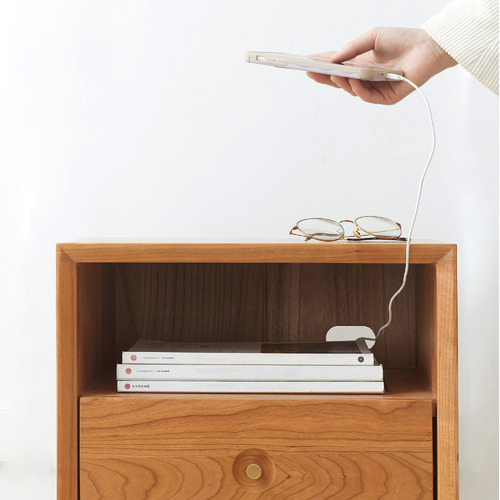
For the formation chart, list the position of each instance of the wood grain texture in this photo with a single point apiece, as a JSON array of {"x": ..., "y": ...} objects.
[
  {"x": 67, "y": 391},
  {"x": 264, "y": 302},
  {"x": 339, "y": 252},
  {"x": 446, "y": 362},
  {"x": 85, "y": 314},
  {"x": 406, "y": 384},
  {"x": 95, "y": 320},
  {"x": 155, "y": 426},
  {"x": 108, "y": 295},
  {"x": 425, "y": 323},
  {"x": 364, "y": 476}
]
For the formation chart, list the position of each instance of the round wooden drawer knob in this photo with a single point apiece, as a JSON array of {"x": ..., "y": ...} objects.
[{"x": 254, "y": 471}]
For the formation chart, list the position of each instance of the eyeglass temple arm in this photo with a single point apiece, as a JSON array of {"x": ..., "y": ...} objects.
[{"x": 306, "y": 237}]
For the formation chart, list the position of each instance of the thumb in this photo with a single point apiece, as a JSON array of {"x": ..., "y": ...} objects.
[{"x": 358, "y": 46}]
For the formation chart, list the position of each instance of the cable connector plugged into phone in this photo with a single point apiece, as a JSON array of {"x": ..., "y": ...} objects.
[{"x": 393, "y": 76}]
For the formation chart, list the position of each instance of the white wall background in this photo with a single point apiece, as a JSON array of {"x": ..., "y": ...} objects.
[{"x": 140, "y": 119}]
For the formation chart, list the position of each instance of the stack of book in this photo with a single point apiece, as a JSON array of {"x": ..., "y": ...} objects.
[{"x": 246, "y": 367}]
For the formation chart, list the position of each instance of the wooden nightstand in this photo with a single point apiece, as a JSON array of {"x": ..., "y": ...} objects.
[{"x": 402, "y": 444}]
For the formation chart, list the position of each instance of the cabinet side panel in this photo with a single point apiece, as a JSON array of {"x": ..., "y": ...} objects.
[
  {"x": 95, "y": 285},
  {"x": 426, "y": 323},
  {"x": 67, "y": 394},
  {"x": 447, "y": 376}
]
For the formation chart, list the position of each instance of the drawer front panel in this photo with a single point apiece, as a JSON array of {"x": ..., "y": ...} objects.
[
  {"x": 361, "y": 475},
  {"x": 118, "y": 427},
  {"x": 198, "y": 446}
]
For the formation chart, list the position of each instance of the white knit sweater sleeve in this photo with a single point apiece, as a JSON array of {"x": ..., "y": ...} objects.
[{"x": 468, "y": 31}]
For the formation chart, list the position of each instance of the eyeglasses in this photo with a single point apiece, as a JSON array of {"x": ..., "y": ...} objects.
[{"x": 330, "y": 230}]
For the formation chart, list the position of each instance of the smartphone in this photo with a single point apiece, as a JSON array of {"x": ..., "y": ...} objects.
[{"x": 318, "y": 65}]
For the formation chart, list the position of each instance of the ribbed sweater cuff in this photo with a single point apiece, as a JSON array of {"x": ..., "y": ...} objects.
[{"x": 468, "y": 32}]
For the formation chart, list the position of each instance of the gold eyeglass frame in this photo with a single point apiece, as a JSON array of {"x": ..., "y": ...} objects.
[{"x": 356, "y": 233}]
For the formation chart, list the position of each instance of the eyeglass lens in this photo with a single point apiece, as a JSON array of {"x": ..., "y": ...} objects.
[
  {"x": 321, "y": 229},
  {"x": 379, "y": 226}
]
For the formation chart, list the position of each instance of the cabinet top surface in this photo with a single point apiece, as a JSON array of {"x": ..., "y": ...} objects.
[{"x": 280, "y": 251}]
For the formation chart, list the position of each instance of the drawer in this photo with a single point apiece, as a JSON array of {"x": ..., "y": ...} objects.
[{"x": 210, "y": 446}]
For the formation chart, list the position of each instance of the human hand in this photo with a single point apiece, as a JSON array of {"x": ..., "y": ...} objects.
[{"x": 409, "y": 49}]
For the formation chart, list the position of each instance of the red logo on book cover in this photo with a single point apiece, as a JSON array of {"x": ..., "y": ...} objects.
[
  {"x": 128, "y": 371},
  {"x": 127, "y": 386},
  {"x": 133, "y": 357}
]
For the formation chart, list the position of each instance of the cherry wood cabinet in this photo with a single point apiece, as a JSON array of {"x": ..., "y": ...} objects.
[{"x": 401, "y": 444}]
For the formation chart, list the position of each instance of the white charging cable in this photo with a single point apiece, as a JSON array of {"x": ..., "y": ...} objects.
[{"x": 392, "y": 76}]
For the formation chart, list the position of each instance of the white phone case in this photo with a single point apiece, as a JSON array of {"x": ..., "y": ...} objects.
[{"x": 317, "y": 65}]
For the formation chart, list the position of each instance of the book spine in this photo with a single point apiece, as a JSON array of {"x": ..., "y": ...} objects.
[
  {"x": 249, "y": 387},
  {"x": 233, "y": 358},
  {"x": 249, "y": 372}
]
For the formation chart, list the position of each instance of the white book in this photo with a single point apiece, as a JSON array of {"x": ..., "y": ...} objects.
[
  {"x": 351, "y": 352},
  {"x": 250, "y": 372},
  {"x": 206, "y": 386}
]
